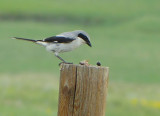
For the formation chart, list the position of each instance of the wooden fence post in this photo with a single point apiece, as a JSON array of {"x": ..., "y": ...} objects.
[{"x": 82, "y": 90}]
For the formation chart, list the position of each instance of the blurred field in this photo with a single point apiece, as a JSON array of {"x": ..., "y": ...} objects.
[{"x": 124, "y": 34}]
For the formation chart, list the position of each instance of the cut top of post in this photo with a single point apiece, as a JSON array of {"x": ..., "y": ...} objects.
[{"x": 81, "y": 66}]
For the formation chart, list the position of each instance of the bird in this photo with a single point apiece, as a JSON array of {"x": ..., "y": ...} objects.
[{"x": 63, "y": 42}]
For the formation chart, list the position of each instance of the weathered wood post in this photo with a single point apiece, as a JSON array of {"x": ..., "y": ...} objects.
[{"x": 82, "y": 90}]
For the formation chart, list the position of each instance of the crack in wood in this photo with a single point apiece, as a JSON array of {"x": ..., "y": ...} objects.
[{"x": 75, "y": 90}]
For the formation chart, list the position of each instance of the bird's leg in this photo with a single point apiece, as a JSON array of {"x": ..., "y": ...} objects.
[
  {"x": 60, "y": 58},
  {"x": 63, "y": 61}
]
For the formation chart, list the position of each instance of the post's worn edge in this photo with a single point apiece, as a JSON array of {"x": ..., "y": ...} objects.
[
  {"x": 78, "y": 65},
  {"x": 63, "y": 68}
]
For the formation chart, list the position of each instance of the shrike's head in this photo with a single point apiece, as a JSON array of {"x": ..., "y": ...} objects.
[{"x": 84, "y": 36}]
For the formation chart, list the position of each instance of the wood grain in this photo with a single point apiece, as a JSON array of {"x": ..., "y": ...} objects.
[{"x": 83, "y": 90}]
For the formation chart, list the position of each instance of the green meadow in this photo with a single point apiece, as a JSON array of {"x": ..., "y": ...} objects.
[{"x": 125, "y": 36}]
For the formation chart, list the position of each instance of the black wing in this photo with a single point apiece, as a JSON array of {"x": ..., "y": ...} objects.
[{"x": 59, "y": 39}]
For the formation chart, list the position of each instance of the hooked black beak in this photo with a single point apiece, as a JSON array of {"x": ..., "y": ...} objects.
[{"x": 89, "y": 44}]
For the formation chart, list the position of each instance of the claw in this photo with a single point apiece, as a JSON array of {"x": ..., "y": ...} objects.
[{"x": 65, "y": 63}]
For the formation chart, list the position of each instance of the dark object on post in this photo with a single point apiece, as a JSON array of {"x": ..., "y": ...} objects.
[
  {"x": 98, "y": 63},
  {"x": 82, "y": 90}
]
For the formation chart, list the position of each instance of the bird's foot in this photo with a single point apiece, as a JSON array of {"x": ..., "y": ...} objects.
[{"x": 65, "y": 63}]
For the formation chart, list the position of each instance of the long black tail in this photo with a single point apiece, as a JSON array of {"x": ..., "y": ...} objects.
[{"x": 24, "y": 39}]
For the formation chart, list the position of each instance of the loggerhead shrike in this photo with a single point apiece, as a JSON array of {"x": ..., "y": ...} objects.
[{"x": 63, "y": 42}]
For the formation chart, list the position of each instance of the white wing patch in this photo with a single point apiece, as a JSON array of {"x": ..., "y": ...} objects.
[{"x": 42, "y": 43}]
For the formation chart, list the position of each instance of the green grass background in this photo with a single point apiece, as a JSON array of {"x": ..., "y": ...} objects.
[{"x": 125, "y": 37}]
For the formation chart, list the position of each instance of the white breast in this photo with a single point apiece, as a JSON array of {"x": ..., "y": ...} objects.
[{"x": 64, "y": 47}]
